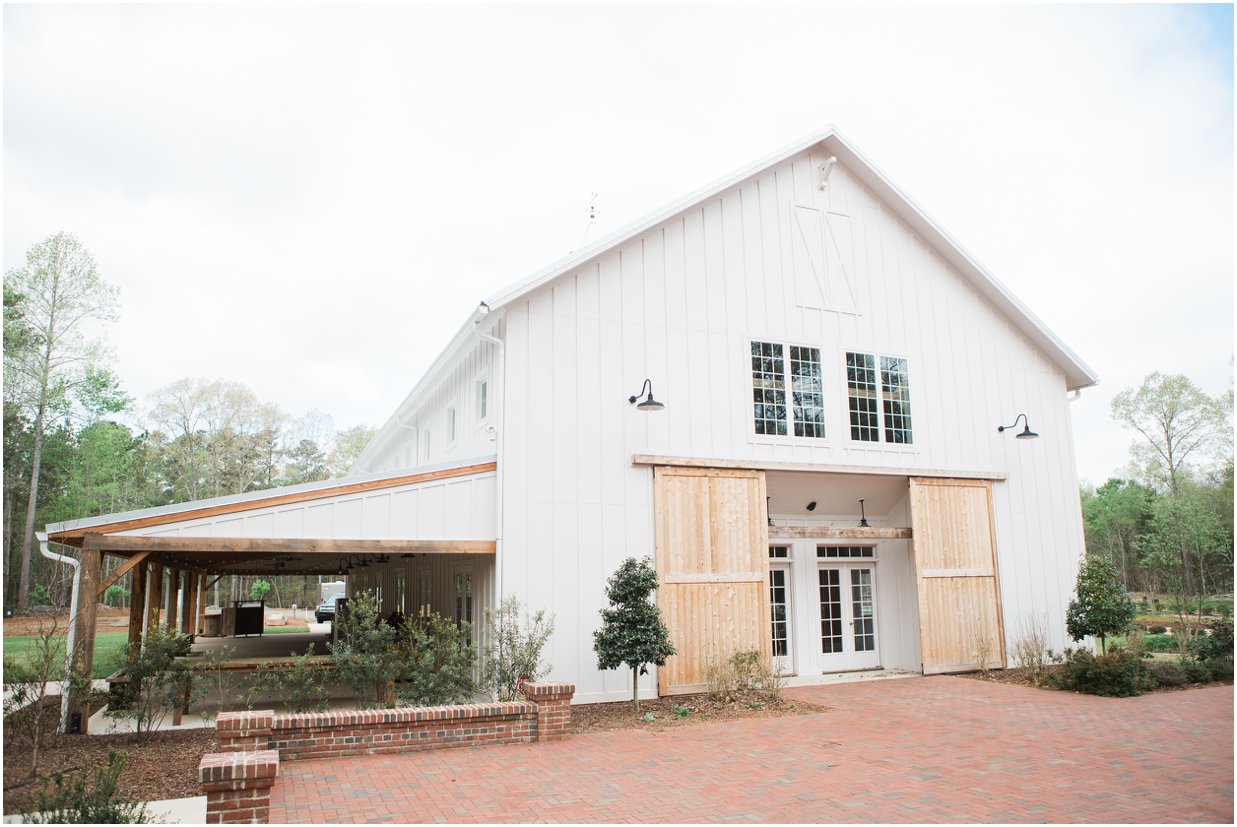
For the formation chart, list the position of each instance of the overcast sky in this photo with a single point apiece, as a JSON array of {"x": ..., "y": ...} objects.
[{"x": 310, "y": 200}]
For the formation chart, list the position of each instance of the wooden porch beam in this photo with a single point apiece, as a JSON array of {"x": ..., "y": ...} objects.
[
  {"x": 115, "y": 576},
  {"x": 779, "y": 532},
  {"x": 218, "y": 545}
]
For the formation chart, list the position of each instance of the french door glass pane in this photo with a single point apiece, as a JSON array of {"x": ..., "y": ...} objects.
[
  {"x": 830, "y": 611},
  {"x": 861, "y": 600},
  {"x": 777, "y": 602}
]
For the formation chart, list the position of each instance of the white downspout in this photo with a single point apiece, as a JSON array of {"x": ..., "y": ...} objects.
[
  {"x": 68, "y": 646},
  {"x": 501, "y": 393}
]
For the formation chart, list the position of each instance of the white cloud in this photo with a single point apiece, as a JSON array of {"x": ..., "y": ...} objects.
[{"x": 311, "y": 199}]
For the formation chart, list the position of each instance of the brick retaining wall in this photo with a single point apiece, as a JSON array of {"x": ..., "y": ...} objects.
[{"x": 237, "y": 780}]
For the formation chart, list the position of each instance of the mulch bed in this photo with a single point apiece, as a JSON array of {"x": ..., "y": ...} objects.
[
  {"x": 700, "y": 709},
  {"x": 157, "y": 766},
  {"x": 1021, "y": 676}
]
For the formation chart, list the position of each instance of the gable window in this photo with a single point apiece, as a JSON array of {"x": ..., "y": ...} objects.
[
  {"x": 483, "y": 391},
  {"x": 772, "y": 374},
  {"x": 451, "y": 425},
  {"x": 878, "y": 404}
]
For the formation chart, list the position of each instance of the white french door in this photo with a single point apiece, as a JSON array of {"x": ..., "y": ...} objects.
[
  {"x": 780, "y": 611},
  {"x": 847, "y": 604}
]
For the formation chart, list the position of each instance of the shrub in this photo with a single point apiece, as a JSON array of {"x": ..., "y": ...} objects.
[
  {"x": 1218, "y": 644},
  {"x": 1167, "y": 673},
  {"x": 158, "y": 682},
  {"x": 513, "y": 649},
  {"x": 1159, "y": 643},
  {"x": 743, "y": 674},
  {"x": 1030, "y": 648},
  {"x": 1100, "y": 606},
  {"x": 1119, "y": 674},
  {"x": 303, "y": 684},
  {"x": 363, "y": 651},
  {"x": 1221, "y": 669},
  {"x": 92, "y": 796},
  {"x": 1156, "y": 630},
  {"x": 436, "y": 660},
  {"x": 632, "y": 633}
]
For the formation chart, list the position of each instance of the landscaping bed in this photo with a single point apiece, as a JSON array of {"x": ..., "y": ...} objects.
[
  {"x": 1020, "y": 676},
  {"x": 157, "y": 766},
  {"x": 693, "y": 709}
]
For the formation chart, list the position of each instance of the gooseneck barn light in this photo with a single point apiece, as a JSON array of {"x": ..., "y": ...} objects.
[
  {"x": 863, "y": 515},
  {"x": 1026, "y": 433},
  {"x": 649, "y": 404}
]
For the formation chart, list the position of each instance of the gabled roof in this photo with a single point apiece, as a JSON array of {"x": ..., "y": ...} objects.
[{"x": 1078, "y": 374}]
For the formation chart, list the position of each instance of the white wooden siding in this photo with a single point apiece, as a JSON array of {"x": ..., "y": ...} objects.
[
  {"x": 460, "y": 508},
  {"x": 680, "y": 305}
]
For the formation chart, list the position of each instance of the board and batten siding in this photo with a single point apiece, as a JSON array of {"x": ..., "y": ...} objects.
[{"x": 680, "y": 305}]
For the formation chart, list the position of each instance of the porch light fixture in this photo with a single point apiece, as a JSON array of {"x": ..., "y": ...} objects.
[
  {"x": 1026, "y": 433},
  {"x": 649, "y": 404},
  {"x": 811, "y": 506},
  {"x": 769, "y": 509},
  {"x": 863, "y": 516}
]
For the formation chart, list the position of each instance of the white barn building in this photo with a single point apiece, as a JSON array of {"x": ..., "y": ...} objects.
[{"x": 816, "y": 341}]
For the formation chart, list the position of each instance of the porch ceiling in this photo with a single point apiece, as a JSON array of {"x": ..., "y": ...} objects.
[{"x": 834, "y": 494}]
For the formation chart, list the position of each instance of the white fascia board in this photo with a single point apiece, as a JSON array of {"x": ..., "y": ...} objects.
[{"x": 258, "y": 496}]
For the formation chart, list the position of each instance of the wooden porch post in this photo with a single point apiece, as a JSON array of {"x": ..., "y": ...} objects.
[
  {"x": 154, "y": 596},
  {"x": 173, "y": 588},
  {"x": 137, "y": 604},
  {"x": 187, "y": 614},
  {"x": 201, "y": 612},
  {"x": 83, "y": 638}
]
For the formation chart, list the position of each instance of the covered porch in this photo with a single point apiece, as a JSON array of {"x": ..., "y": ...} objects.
[{"x": 420, "y": 540}]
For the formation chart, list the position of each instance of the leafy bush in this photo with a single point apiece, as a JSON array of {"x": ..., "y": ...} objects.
[
  {"x": 303, "y": 684},
  {"x": 115, "y": 594},
  {"x": 1156, "y": 630},
  {"x": 1221, "y": 669},
  {"x": 1159, "y": 643},
  {"x": 1195, "y": 672},
  {"x": 632, "y": 633},
  {"x": 92, "y": 796},
  {"x": 1100, "y": 606},
  {"x": 1218, "y": 644},
  {"x": 258, "y": 589},
  {"x": 1167, "y": 673},
  {"x": 1119, "y": 674},
  {"x": 364, "y": 651},
  {"x": 158, "y": 682},
  {"x": 436, "y": 660},
  {"x": 513, "y": 649}
]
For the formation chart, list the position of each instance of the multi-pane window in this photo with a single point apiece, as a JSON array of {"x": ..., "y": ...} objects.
[
  {"x": 842, "y": 552},
  {"x": 861, "y": 610},
  {"x": 830, "y": 611},
  {"x": 772, "y": 374},
  {"x": 777, "y": 606},
  {"x": 779, "y": 552},
  {"x": 871, "y": 401}
]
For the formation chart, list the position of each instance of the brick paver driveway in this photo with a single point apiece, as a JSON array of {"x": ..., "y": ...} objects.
[{"x": 918, "y": 749}]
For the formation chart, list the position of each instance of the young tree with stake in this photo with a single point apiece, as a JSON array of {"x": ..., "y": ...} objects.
[
  {"x": 632, "y": 632},
  {"x": 1100, "y": 606}
]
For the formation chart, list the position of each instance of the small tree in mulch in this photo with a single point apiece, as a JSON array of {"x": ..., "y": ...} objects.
[
  {"x": 1100, "y": 606},
  {"x": 26, "y": 681},
  {"x": 632, "y": 632}
]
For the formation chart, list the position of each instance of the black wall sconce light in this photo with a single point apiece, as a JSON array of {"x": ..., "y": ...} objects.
[
  {"x": 811, "y": 506},
  {"x": 863, "y": 515},
  {"x": 1026, "y": 432},
  {"x": 649, "y": 404}
]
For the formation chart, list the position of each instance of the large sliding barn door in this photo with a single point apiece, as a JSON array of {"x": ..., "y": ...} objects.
[
  {"x": 712, "y": 541},
  {"x": 955, "y": 563}
]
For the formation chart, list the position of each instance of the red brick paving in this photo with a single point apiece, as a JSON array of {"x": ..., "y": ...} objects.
[{"x": 936, "y": 749}]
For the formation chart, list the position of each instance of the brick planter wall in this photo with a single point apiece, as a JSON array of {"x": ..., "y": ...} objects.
[
  {"x": 238, "y": 786},
  {"x": 545, "y": 716}
]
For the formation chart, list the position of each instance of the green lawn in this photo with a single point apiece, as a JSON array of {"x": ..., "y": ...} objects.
[
  {"x": 108, "y": 651},
  {"x": 285, "y": 630}
]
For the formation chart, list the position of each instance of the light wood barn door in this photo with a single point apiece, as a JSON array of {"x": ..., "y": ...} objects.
[
  {"x": 955, "y": 564},
  {"x": 712, "y": 539}
]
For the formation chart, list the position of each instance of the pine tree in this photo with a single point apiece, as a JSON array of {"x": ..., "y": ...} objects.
[
  {"x": 632, "y": 632},
  {"x": 1100, "y": 606}
]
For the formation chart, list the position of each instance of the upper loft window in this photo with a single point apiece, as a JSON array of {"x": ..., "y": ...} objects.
[
  {"x": 451, "y": 425},
  {"x": 772, "y": 374},
  {"x": 877, "y": 407},
  {"x": 483, "y": 399}
]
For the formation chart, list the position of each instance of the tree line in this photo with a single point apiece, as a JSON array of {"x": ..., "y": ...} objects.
[
  {"x": 77, "y": 445},
  {"x": 1166, "y": 525}
]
